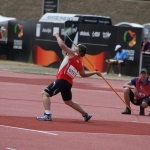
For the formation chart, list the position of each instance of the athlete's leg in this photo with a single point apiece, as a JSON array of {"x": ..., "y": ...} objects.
[
  {"x": 67, "y": 97},
  {"x": 75, "y": 106},
  {"x": 46, "y": 100},
  {"x": 53, "y": 89}
]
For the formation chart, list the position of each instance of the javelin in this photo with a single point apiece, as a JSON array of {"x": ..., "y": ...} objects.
[
  {"x": 113, "y": 89},
  {"x": 107, "y": 82}
]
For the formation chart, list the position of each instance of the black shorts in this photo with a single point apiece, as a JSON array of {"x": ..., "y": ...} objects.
[
  {"x": 138, "y": 102},
  {"x": 62, "y": 86}
]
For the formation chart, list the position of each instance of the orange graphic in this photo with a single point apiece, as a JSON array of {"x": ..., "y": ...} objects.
[
  {"x": 132, "y": 35},
  {"x": 97, "y": 60},
  {"x": 44, "y": 57}
]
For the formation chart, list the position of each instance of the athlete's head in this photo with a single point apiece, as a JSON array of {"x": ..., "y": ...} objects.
[{"x": 82, "y": 49}]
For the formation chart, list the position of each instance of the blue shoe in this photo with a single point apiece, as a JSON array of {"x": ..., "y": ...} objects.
[
  {"x": 46, "y": 117},
  {"x": 87, "y": 117}
]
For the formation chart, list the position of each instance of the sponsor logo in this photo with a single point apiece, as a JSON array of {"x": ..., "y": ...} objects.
[
  {"x": 96, "y": 34},
  {"x": 106, "y": 35},
  {"x": 17, "y": 44},
  {"x": 84, "y": 33},
  {"x": 18, "y": 29},
  {"x": 104, "y": 22},
  {"x": 130, "y": 54},
  {"x": 62, "y": 31},
  {"x": 55, "y": 30},
  {"x": 132, "y": 35},
  {"x": 38, "y": 29},
  {"x": 62, "y": 18},
  {"x": 48, "y": 30},
  {"x": 74, "y": 30},
  {"x": 141, "y": 87},
  {"x": 141, "y": 94},
  {"x": 69, "y": 31}
]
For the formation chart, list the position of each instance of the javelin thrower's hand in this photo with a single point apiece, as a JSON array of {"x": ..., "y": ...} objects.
[
  {"x": 55, "y": 34},
  {"x": 99, "y": 73}
]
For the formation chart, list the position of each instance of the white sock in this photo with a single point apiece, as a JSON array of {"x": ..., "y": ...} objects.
[{"x": 47, "y": 112}]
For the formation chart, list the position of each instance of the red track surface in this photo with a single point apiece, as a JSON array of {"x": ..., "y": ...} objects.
[{"x": 20, "y": 103}]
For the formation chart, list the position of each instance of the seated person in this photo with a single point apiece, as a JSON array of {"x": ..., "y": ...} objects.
[
  {"x": 145, "y": 45},
  {"x": 138, "y": 92},
  {"x": 119, "y": 59}
]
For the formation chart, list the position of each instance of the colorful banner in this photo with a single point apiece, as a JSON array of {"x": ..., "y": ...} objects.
[
  {"x": 101, "y": 42},
  {"x": 19, "y": 40},
  {"x": 34, "y": 42}
]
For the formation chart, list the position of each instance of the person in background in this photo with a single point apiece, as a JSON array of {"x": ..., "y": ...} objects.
[
  {"x": 2, "y": 33},
  {"x": 145, "y": 45},
  {"x": 138, "y": 92},
  {"x": 68, "y": 70},
  {"x": 119, "y": 59}
]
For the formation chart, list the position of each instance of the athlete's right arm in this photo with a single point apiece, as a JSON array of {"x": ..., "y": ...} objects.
[
  {"x": 88, "y": 74},
  {"x": 63, "y": 46}
]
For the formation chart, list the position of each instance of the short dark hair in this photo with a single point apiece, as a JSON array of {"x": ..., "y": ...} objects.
[{"x": 82, "y": 49}]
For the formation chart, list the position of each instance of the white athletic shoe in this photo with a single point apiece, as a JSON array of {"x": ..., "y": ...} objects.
[
  {"x": 119, "y": 75},
  {"x": 46, "y": 117},
  {"x": 105, "y": 74}
]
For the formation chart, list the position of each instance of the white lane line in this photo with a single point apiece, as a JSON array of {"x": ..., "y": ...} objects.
[
  {"x": 39, "y": 131},
  {"x": 96, "y": 133},
  {"x": 141, "y": 122},
  {"x": 10, "y": 148}
]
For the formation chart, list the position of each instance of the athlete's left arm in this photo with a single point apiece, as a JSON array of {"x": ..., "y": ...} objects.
[
  {"x": 63, "y": 46},
  {"x": 88, "y": 74}
]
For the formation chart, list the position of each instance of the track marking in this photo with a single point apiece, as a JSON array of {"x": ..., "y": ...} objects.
[
  {"x": 61, "y": 132},
  {"x": 109, "y": 134},
  {"x": 140, "y": 122},
  {"x": 39, "y": 131},
  {"x": 10, "y": 148}
]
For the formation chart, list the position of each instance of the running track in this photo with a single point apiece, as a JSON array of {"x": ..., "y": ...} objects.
[{"x": 108, "y": 129}]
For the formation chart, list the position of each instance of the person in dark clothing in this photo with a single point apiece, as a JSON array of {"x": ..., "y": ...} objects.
[{"x": 145, "y": 45}]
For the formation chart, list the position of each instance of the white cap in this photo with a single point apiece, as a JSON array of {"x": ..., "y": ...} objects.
[
  {"x": 117, "y": 47},
  {"x": 3, "y": 29}
]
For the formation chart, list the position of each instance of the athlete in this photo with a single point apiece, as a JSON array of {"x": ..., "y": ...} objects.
[{"x": 67, "y": 71}]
